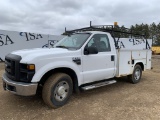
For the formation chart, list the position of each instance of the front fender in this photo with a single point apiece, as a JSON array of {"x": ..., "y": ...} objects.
[{"x": 50, "y": 66}]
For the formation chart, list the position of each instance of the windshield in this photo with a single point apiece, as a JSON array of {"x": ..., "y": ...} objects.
[{"x": 74, "y": 41}]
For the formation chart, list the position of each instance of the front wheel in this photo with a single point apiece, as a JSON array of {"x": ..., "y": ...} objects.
[
  {"x": 136, "y": 76},
  {"x": 57, "y": 90}
]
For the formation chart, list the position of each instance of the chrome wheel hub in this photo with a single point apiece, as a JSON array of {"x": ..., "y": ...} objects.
[
  {"x": 137, "y": 74},
  {"x": 61, "y": 91}
]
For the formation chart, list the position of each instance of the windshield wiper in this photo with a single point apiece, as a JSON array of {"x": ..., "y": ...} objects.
[{"x": 61, "y": 46}]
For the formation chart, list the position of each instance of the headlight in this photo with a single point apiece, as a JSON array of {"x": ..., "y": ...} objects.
[{"x": 27, "y": 72}]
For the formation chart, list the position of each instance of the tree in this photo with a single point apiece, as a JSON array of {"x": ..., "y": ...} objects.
[{"x": 151, "y": 31}]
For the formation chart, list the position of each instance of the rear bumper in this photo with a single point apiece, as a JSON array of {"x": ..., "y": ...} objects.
[{"x": 19, "y": 88}]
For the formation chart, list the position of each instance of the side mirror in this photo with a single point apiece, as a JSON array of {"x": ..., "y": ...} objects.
[{"x": 90, "y": 50}]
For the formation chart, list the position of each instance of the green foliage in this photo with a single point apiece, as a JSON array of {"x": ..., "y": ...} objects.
[{"x": 151, "y": 31}]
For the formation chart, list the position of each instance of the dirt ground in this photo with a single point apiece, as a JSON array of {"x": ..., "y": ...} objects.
[{"x": 120, "y": 101}]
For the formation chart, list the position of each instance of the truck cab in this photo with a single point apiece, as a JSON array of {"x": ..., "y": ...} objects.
[{"x": 84, "y": 60}]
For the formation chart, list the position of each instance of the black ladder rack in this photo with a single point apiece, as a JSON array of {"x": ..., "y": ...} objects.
[
  {"x": 111, "y": 29},
  {"x": 105, "y": 28}
]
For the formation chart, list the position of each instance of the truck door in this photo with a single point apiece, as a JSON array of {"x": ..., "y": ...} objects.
[{"x": 98, "y": 66}]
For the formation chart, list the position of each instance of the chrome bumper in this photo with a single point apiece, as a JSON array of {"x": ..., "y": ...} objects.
[{"x": 19, "y": 88}]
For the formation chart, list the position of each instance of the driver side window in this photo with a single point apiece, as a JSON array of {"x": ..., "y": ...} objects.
[{"x": 101, "y": 42}]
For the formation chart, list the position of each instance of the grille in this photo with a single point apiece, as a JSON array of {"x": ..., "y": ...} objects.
[{"x": 12, "y": 66}]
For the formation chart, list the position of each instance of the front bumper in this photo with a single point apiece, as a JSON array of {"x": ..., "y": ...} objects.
[{"x": 19, "y": 88}]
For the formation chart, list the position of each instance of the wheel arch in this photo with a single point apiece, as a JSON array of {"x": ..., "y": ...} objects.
[
  {"x": 131, "y": 77},
  {"x": 141, "y": 64},
  {"x": 65, "y": 70}
]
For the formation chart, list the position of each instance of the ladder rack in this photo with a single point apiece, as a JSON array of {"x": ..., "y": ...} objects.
[
  {"x": 105, "y": 28},
  {"x": 113, "y": 30}
]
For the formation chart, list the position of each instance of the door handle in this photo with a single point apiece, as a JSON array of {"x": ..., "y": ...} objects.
[{"x": 112, "y": 57}]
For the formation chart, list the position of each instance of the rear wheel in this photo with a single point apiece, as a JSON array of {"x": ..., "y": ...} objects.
[
  {"x": 136, "y": 76},
  {"x": 57, "y": 90}
]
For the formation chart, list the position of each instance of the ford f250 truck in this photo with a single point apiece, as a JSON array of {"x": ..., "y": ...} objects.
[{"x": 86, "y": 58}]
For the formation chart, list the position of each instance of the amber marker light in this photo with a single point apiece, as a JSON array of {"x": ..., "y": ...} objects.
[
  {"x": 115, "y": 23},
  {"x": 31, "y": 67}
]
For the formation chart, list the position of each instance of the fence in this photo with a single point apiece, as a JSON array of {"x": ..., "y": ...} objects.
[{"x": 12, "y": 40}]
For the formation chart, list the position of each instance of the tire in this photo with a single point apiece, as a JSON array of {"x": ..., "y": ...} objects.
[
  {"x": 57, "y": 90},
  {"x": 137, "y": 74}
]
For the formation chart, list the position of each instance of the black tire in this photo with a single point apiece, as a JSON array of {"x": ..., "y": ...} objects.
[
  {"x": 55, "y": 91},
  {"x": 137, "y": 74}
]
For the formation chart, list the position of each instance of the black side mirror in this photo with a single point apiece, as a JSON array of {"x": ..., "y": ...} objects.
[{"x": 90, "y": 50}]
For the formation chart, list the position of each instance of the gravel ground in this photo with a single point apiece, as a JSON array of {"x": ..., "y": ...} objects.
[{"x": 118, "y": 101}]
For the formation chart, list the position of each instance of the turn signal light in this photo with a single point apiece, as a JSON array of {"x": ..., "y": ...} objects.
[{"x": 31, "y": 67}]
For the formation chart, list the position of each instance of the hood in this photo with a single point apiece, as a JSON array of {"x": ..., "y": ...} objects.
[{"x": 39, "y": 53}]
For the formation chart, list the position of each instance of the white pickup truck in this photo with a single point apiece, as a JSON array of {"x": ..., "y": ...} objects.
[{"x": 85, "y": 59}]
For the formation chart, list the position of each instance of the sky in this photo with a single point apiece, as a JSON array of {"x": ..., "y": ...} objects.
[{"x": 52, "y": 16}]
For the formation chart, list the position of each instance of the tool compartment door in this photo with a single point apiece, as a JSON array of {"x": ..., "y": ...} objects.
[
  {"x": 149, "y": 54},
  {"x": 124, "y": 64}
]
